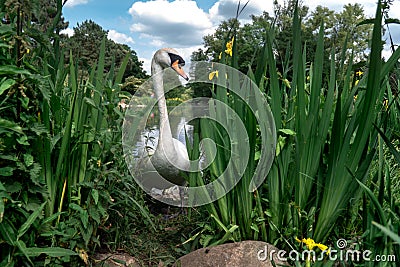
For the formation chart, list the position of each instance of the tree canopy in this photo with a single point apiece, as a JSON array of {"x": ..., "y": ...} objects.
[
  {"x": 85, "y": 44},
  {"x": 338, "y": 25}
]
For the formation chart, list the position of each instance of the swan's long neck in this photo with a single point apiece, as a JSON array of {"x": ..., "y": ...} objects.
[{"x": 165, "y": 136}]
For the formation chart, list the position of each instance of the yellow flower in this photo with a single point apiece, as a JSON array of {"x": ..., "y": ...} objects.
[
  {"x": 356, "y": 82},
  {"x": 27, "y": 50},
  {"x": 286, "y": 82},
  {"x": 212, "y": 74},
  {"x": 220, "y": 55},
  {"x": 310, "y": 243},
  {"x": 84, "y": 256},
  {"x": 359, "y": 73},
  {"x": 386, "y": 104},
  {"x": 229, "y": 46},
  {"x": 323, "y": 248}
]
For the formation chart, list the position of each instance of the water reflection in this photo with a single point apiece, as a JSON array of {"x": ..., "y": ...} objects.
[{"x": 149, "y": 137}]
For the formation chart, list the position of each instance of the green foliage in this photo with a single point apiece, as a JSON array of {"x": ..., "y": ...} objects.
[
  {"x": 249, "y": 37},
  {"x": 326, "y": 144},
  {"x": 131, "y": 84},
  {"x": 334, "y": 140},
  {"x": 22, "y": 196},
  {"x": 19, "y": 245},
  {"x": 60, "y": 135},
  {"x": 340, "y": 27},
  {"x": 199, "y": 90},
  {"x": 85, "y": 44},
  {"x": 238, "y": 215},
  {"x": 381, "y": 213}
]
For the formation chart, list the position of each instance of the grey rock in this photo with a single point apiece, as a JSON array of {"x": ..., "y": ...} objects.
[{"x": 240, "y": 254}]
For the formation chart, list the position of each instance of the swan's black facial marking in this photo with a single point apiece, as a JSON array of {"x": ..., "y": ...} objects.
[
  {"x": 175, "y": 57},
  {"x": 176, "y": 64}
]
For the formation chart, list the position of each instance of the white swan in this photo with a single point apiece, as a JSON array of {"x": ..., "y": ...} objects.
[{"x": 170, "y": 156}]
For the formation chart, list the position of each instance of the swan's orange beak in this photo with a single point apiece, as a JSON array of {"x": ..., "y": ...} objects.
[{"x": 179, "y": 70}]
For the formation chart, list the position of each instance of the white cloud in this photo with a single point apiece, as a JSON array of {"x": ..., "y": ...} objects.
[
  {"x": 157, "y": 42},
  {"x": 71, "y": 3},
  {"x": 177, "y": 23},
  {"x": 146, "y": 64},
  {"x": 120, "y": 38},
  {"x": 68, "y": 31},
  {"x": 394, "y": 12},
  {"x": 182, "y": 24},
  {"x": 386, "y": 52},
  {"x": 369, "y": 6},
  {"x": 187, "y": 52},
  {"x": 225, "y": 9}
]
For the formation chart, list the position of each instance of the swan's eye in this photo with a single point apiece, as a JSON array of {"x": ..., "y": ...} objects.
[
  {"x": 177, "y": 64},
  {"x": 176, "y": 59}
]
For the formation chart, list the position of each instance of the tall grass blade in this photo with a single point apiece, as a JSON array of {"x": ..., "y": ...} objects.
[
  {"x": 31, "y": 219},
  {"x": 387, "y": 232},
  {"x": 375, "y": 201},
  {"x": 51, "y": 252},
  {"x": 354, "y": 134}
]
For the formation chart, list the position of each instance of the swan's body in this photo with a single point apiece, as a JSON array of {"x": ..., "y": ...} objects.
[{"x": 170, "y": 156}]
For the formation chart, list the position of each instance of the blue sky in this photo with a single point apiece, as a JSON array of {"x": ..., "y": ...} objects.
[{"x": 148, "y": 25}]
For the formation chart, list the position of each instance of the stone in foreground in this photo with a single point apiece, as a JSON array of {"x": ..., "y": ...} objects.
[{"x": 245, "y": 253}]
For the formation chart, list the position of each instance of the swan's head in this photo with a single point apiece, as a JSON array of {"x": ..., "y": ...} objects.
[{"x": 168, "y": 57}]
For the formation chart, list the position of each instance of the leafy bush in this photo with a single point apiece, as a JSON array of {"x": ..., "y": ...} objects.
[{"x": 62, "y": 172}]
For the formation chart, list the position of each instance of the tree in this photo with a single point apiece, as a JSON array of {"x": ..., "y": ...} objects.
[
  {"x": 251, "y": 36},
  {"x": 135, "y": 66},
  {"x": 43, "y": 14},
  {"x": 215, "y": 43},
  {"x": 85, "y": 44},
  {"x": 283, "y": 26},
  {"x": 199, "y": 90},
  {"x": 347, "y": 26}
]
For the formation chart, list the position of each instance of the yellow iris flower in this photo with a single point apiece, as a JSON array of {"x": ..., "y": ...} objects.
[
  {"x": 229, "y": 46},
  {"x": 310, "y": 243},
  {"x": 212, "y": 74},
  {"x": 386, "y": 104}
]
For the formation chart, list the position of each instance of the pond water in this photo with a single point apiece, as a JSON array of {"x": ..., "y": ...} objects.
[{"x": 149, "y": 138}]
